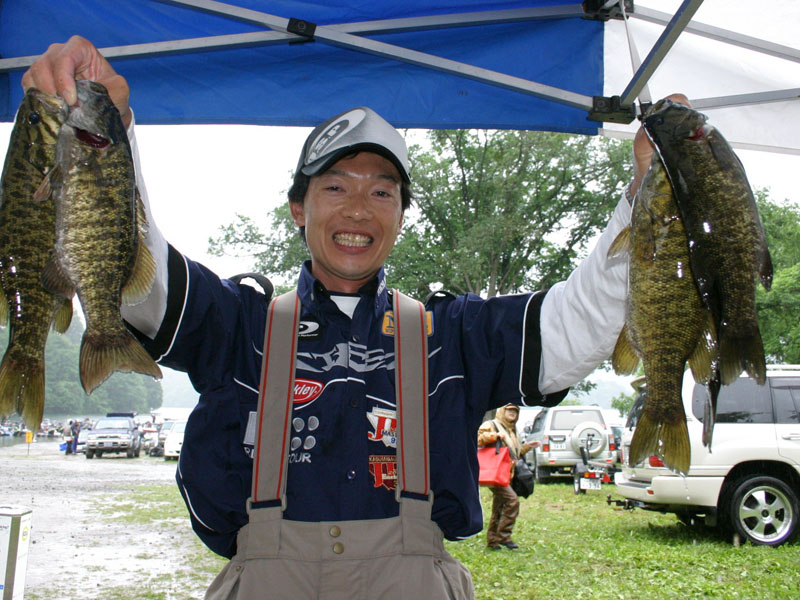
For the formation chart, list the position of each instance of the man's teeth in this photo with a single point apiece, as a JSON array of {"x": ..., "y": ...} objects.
[{"x": 352, "y": 239}]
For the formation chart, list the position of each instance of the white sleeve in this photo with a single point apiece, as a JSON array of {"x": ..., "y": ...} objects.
[
  {"x": 147, "y": 316},
  {"x": 582, "y": 317}
]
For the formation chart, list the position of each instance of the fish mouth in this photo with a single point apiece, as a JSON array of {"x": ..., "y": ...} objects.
[
  {"x": 352, "y": 240},
  {"x": 95, "y": 140}
]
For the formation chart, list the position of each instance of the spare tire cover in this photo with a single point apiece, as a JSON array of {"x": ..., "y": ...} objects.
[{"x": 594, "y": 433}]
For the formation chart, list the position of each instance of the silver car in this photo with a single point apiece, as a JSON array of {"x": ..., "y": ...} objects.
[{"x": 563, "y": 431}]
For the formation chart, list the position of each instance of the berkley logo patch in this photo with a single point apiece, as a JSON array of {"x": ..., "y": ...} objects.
[
  {"x": 306, "y": 390},
  {"x": 387, "y": 327},
  {"x": 384, "y": 471}
]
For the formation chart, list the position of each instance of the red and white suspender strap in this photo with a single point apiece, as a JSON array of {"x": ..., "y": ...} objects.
[{"x": 277, "y": 393}]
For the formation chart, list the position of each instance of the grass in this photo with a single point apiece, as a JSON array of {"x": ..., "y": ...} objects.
[{"x": 572, "y": 547}]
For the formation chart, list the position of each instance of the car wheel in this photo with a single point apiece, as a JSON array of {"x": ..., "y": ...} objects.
[
  {"x": 540, "y": 474},
  {"x": 89, "y": 454},
  {"x": 598, "y": 440},
  {"x": 576, "y": 484},
  {"x": 129, "y": 452},
  {"x": 764, "y": 510}
]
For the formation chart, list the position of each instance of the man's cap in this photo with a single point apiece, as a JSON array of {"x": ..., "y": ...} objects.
[{"x": 356, "y": 129}]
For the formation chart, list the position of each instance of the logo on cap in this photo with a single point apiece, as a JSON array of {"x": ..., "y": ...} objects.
[{"x": 336, "y": 130}]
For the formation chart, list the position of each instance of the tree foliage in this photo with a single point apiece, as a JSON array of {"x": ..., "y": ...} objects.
[
  {"x": 64, "y": 394},
  {"x": 778, "y": 308}
]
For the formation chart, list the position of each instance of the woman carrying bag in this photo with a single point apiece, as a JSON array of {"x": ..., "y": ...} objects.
[{"x": 505, "y": 506}]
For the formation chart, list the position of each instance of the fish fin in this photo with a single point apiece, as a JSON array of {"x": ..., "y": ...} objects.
[
  {"x": 710, "y": 409},
  {"x": 624, "y": 359},
  {"x": 3, "y": 311},
  {"x": 101, "y": 355},
  {"x": 45, "y": 189},
  {"x": 140, "y": 283},
  {"x": 22, "y": 389},
  {"x": 55, "y": 280},
  {"x": 63, "y": 316},
  {"x": 141, "y": 216},
  {"x": 667, "y": 440},
  {"x": 621, "y": 244},
  {"x": 704, "y": 355},
  {"x": 741, "y": 353}
]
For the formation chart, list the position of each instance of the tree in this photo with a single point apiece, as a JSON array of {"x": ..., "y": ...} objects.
[
  {"x": 778, "y": 308},
  {"x": 623, "y": 403},
  {"x": 496, "y": 212}
]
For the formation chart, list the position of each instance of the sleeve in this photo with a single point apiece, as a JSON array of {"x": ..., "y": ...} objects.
[
  {"x": 147, "y": 316},
  {"x": 486, "y": 434},
  {"x": 581, "y": 318}
]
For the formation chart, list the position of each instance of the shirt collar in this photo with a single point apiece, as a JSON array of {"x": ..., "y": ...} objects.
[{"x": 312, "y": 293}]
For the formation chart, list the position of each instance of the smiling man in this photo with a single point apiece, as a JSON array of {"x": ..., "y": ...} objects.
[{"x": 340, "y": 531}]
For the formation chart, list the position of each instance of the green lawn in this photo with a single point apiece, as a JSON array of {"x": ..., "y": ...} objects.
[{"x": 572, "y": 547}]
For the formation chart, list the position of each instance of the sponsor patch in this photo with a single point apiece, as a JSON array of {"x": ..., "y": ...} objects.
[
  {"x": 384, "y": 426},
  {"x": 383, "y": 469},
  {"x": 309, "y": 329},
  {"x": 306, "y": 390},
  {"x": 387, "y": 326}
]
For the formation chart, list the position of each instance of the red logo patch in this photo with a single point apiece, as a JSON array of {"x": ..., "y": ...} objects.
[{"x": 306, "y": 390}]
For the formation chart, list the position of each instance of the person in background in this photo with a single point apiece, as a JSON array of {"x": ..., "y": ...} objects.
[{"x": 505, "y": 502}]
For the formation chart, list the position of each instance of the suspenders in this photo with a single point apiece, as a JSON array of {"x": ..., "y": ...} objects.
[{"x": 277, "y": 393}]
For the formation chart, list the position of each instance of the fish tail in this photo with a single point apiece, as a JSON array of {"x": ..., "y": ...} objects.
[
  {"x": 741, "y": 353},
  {"x": 101, "y": 355},
  {"x": 22, "y": 389},
  {"x": 667, "y": 440}
]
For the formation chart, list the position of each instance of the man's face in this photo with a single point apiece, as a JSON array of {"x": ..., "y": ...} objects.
[{"x": 352, "y": 214}]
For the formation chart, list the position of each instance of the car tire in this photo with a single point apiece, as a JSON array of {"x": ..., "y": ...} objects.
[
  {"x": 576, "y": 484},
  {"x": 129, "y": 452},
  {"x": 90, "y": 454},
  {"x": 589, "y": 428},
  {"x": 764, "y": 510},
  {"x": 540, "y": 474}
]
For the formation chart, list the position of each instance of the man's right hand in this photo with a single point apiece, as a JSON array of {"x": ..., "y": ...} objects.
[{"x": 55, "y": 72}]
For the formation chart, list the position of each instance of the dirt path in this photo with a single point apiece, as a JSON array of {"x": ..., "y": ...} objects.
[{"x": 72, "y": 548}]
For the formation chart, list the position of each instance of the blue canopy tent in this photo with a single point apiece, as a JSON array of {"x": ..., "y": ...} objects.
[{"x": 525, "y": 64}]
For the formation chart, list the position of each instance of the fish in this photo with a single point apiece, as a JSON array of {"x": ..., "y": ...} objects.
[
  {"x": 99, "y": 251},
  {"x": 727, "y": 245},
  {"x": 666, "y": 322},
  {"x": 27, "y": 236}
]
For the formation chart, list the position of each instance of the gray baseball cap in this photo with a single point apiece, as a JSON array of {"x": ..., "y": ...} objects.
[{"x": 356, "y": 129}]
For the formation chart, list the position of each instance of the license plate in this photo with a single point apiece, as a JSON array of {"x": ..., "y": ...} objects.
[
  {"x": 590, "y": 484},
  {"x": 108, "y": 444},
  {"x": 558, "y": 445}
]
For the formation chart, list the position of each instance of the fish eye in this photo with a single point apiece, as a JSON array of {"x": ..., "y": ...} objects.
[{"x": 34, "y": 119}]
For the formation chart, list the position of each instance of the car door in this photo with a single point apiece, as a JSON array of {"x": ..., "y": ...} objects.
[{"x": 786, "y": 398}]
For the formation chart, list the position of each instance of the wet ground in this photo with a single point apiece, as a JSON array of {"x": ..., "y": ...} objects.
[{"x": 72, "y": 546}]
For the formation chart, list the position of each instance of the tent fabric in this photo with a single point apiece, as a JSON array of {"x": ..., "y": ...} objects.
[{"x": 304, "y": 83}]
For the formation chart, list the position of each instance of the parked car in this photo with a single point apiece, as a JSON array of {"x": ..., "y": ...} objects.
[
  {"x": 115, "y": 433},
  {"x": 748, "y": 482},
  {"x": 163, "y": 432},
  {"x": 174, "y": 440},
  {"x": 562, "y": 431}
]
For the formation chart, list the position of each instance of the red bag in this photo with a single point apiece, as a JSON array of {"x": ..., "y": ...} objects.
[{"x": 495, "y": 465}]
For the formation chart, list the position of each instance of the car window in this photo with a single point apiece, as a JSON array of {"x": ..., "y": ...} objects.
[
  {"x": 743, "y": 401},
  {"x": 180, "y": 427},
  {"x": 538, "y": 422},
  {"x": 786, "y": 396},
  {"x": 636, "y": 410},
  {"x": 568, "y": 419}
]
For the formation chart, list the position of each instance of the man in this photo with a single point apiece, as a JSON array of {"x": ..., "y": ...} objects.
[
  {"x": 340, "y": 531},
  {"x": 505, "y": 502}
]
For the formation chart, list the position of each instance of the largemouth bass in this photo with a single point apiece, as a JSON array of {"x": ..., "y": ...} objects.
[
  {"x": 666, "y": 322},
  {"x": 100, "y": 222},
  {"x": 727, "y": 247},
  {"x": 27, "y": 235}
]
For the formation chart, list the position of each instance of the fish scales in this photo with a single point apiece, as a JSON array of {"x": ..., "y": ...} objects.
[
  {"x": 666, "y": 322},
  {"x": 99, "y": 222},
  {"x": 27, "y": 235},
  {"x": 728, "y": 248}
]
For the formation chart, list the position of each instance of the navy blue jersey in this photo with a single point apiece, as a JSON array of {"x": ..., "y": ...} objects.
[{"x": 482, "y": 354}]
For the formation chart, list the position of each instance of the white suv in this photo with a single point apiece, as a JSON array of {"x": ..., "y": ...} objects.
[
  {"x": 749, "y": 480},
  {"x": 562, "y": 431}
]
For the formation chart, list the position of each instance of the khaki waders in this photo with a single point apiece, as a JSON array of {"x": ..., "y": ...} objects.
[{"x": 401, "y": 558}]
